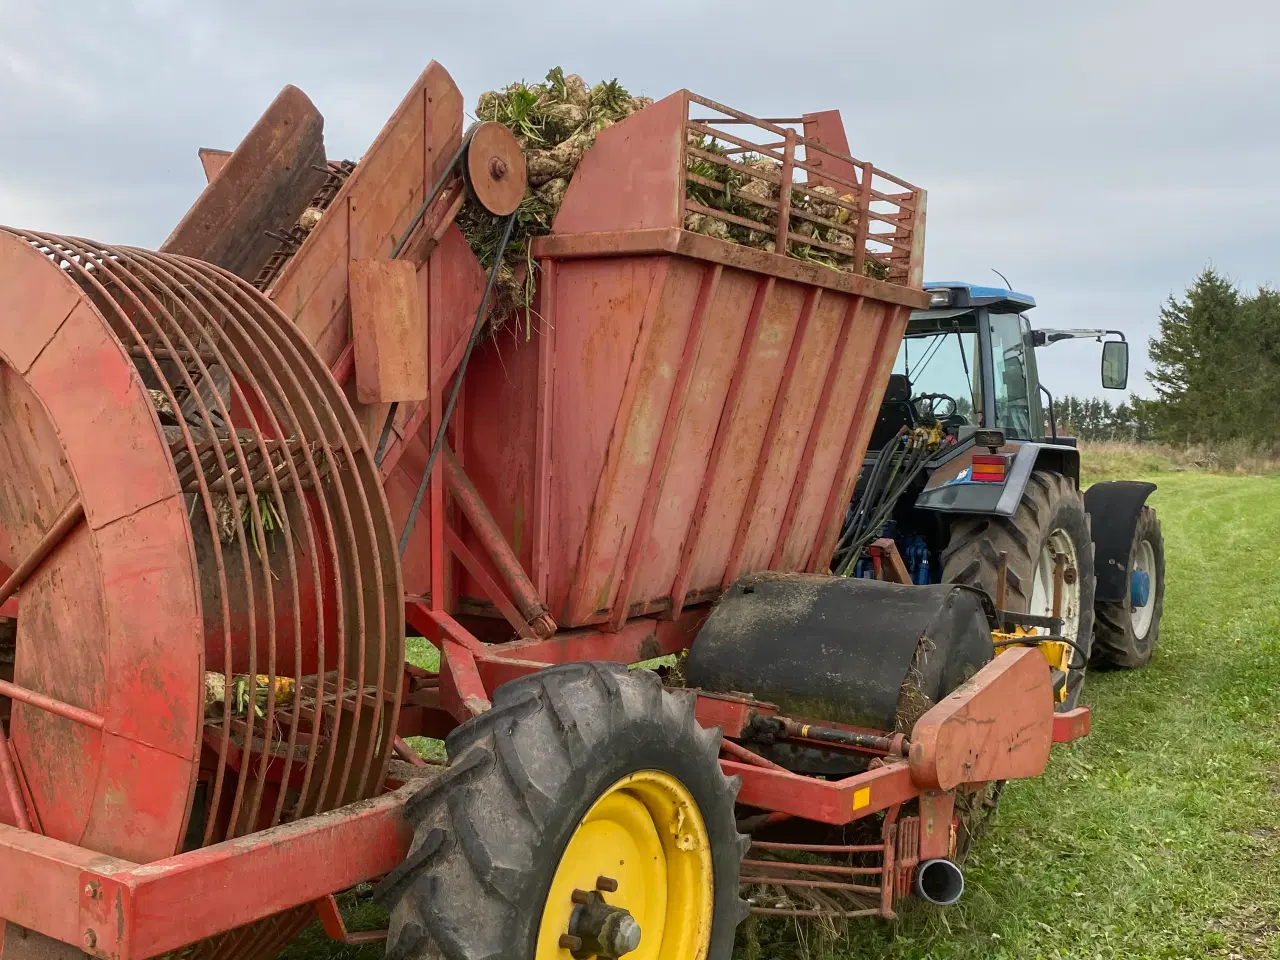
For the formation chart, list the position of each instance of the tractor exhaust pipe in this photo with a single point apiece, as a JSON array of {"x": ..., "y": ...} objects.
[{"x": 940, "y": 882}]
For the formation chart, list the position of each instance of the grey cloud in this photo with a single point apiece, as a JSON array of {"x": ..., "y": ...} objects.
[{"x": 1098, "y": 153}]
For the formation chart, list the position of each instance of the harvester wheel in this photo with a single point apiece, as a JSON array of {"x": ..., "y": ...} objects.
[
  {"x": 1050, "y": 521},
  {"x": 1126, "y": 632},
  {"x": 585, "y": 810}
]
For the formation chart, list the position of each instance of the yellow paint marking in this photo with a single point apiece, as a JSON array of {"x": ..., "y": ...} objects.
[{"x": 862, "y": 798}]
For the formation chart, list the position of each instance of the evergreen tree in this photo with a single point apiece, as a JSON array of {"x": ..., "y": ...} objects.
[{"x": 1195, "y": 358}]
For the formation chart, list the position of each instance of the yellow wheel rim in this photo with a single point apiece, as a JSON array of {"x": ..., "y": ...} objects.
[{"x": 645, "y": 832}]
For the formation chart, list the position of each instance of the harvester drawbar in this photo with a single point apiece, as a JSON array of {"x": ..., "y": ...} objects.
[{"x": 233, "y": 472}]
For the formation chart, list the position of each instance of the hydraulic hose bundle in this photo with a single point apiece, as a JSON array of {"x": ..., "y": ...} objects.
[{"x": 897, "y": 466}]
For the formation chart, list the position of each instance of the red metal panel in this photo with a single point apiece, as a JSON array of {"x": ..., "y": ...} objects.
[
  {"x": 590, "y": 376},
  {"x": 827, "y": 128},
  {"x": 135, "y": 912},
  {"x": 389, "y": 328},
  {"x": 798, "y": 481},
  {"x": 795, "y": 412},
  {"x": 48, "y": 898},
  {"x": 873, "y": 374},
  {"x": 678, "y": 497},
  {"x": 667, "y": 301},
  {"x": 633, "y": 442},
  {"x": 762, "y": 378},
  {"x": 371, "y": 210},
  {"x": 605, "y": 193},
  {"x": 996, "y": 726},
  {"x": 865, "y": 328},
  {"x": 544, "y": 398},
  {"x": 263, "y": 186},
  {"x": 501, "y": 376},
  {"x": 661, "y": 460},
  {"x": 640, "y": 639},
  {"x": 87, "y": 382},
  {"x": 42, "y": 303},
  {"x": 763, "y": 289},
  {"x": 936, "y": 829}
]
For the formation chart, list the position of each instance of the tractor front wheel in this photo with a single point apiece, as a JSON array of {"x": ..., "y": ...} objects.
[{"x": 584, "y": 815}]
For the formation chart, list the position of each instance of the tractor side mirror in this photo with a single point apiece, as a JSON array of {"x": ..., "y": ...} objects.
[{"x": 1115, "y": 365}]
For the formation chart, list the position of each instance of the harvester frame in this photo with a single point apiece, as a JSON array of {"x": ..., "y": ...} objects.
[{"x": 63, "y": 898}]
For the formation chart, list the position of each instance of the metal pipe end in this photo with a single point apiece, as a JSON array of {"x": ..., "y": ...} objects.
[{"x": 940, "y": 882}]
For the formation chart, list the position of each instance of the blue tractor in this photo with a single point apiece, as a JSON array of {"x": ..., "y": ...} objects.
[{"x": 970, "y": 478}]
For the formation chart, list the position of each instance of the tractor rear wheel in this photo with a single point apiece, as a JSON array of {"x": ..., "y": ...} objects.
[
  {"x": 585, "y": 814},
  {"x": 1126, "y": 632},
  {"x": 1050, "y": 520}
]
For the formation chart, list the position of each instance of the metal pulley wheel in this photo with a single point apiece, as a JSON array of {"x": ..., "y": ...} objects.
[{"x": 494, "y": 167}]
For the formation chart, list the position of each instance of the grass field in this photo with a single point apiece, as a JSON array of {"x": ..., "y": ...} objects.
[{"x": 1158, "y": 836}]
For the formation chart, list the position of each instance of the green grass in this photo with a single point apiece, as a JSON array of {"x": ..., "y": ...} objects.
[{"x": 1159, "y": 835}]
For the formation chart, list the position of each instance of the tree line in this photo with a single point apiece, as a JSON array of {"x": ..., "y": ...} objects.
[
  {"x": 1095, "y": 420},
  {"x": 1216, "y": 374}
]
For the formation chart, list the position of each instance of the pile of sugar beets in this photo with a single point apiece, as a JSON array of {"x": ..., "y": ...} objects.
[{"x": 557, "y": 121}]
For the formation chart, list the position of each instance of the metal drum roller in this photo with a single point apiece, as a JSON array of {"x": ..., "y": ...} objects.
[{"x": 209, "y": 624}]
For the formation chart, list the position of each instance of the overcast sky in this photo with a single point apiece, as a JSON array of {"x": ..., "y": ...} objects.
[{"x": 1097, "y": 153}]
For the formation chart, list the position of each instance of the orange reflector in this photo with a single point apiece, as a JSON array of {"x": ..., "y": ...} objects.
[{"x": 988, "y": 468}]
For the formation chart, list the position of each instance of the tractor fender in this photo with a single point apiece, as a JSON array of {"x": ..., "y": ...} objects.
[
  {"x": 951, "y": 489},
  {"x": 1114, "y": 507}
]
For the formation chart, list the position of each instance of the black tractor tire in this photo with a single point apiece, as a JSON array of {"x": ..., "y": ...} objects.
[
  {"x": 490, "y": 832},
  {"x": 1115, "y": 641},
  {"x": 1050, "y": 502}
]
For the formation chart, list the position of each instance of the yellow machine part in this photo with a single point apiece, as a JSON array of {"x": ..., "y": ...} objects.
[{"x": 647, "y": 834}]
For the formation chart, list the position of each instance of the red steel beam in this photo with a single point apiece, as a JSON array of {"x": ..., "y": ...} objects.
[
  {"x": 13, "y": 790},
  {"x": 505, "y": 561},
  {"x": 826, "y": 801},
  {"x": 119, "y": 910},
  {"x": 67, "y": 711},
  {"x": 67, "y": 520},
  {"x": 491, "y": 589},
  {"x": 1071, "y": 725},
  {"x": 542, "y": 436}
]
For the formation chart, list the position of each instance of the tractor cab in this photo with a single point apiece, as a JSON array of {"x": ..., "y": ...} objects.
[{"x": 969, "y": 361}]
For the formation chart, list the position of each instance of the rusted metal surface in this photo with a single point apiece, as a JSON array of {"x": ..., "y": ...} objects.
[
  {"x": 679, "y": 410},
  {"x": 830, "y": 881},
  {"x": 213, "y": 160},
  {"x": 66, "y": 711},
  {"x": 389, "y": 331},
  {"x": 996, "y": 726},
  {"x": 889, "y": 565},
  {"x": 1071, "y": 725},
  {"x": 606, "y": 244},
  {"x": 706, "y": 477},
  {"x": 336, "y": 173},
  {"x": 14, "y": 810},
  {"x": 495, "y": 168},
  {"x": 275, "y": 508},
  {"x": 136, "y": 911},
  {"x": 525, "y": 595},
  {"x": 260, "y": 189},
  {"x": 71, "y": 515}
]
